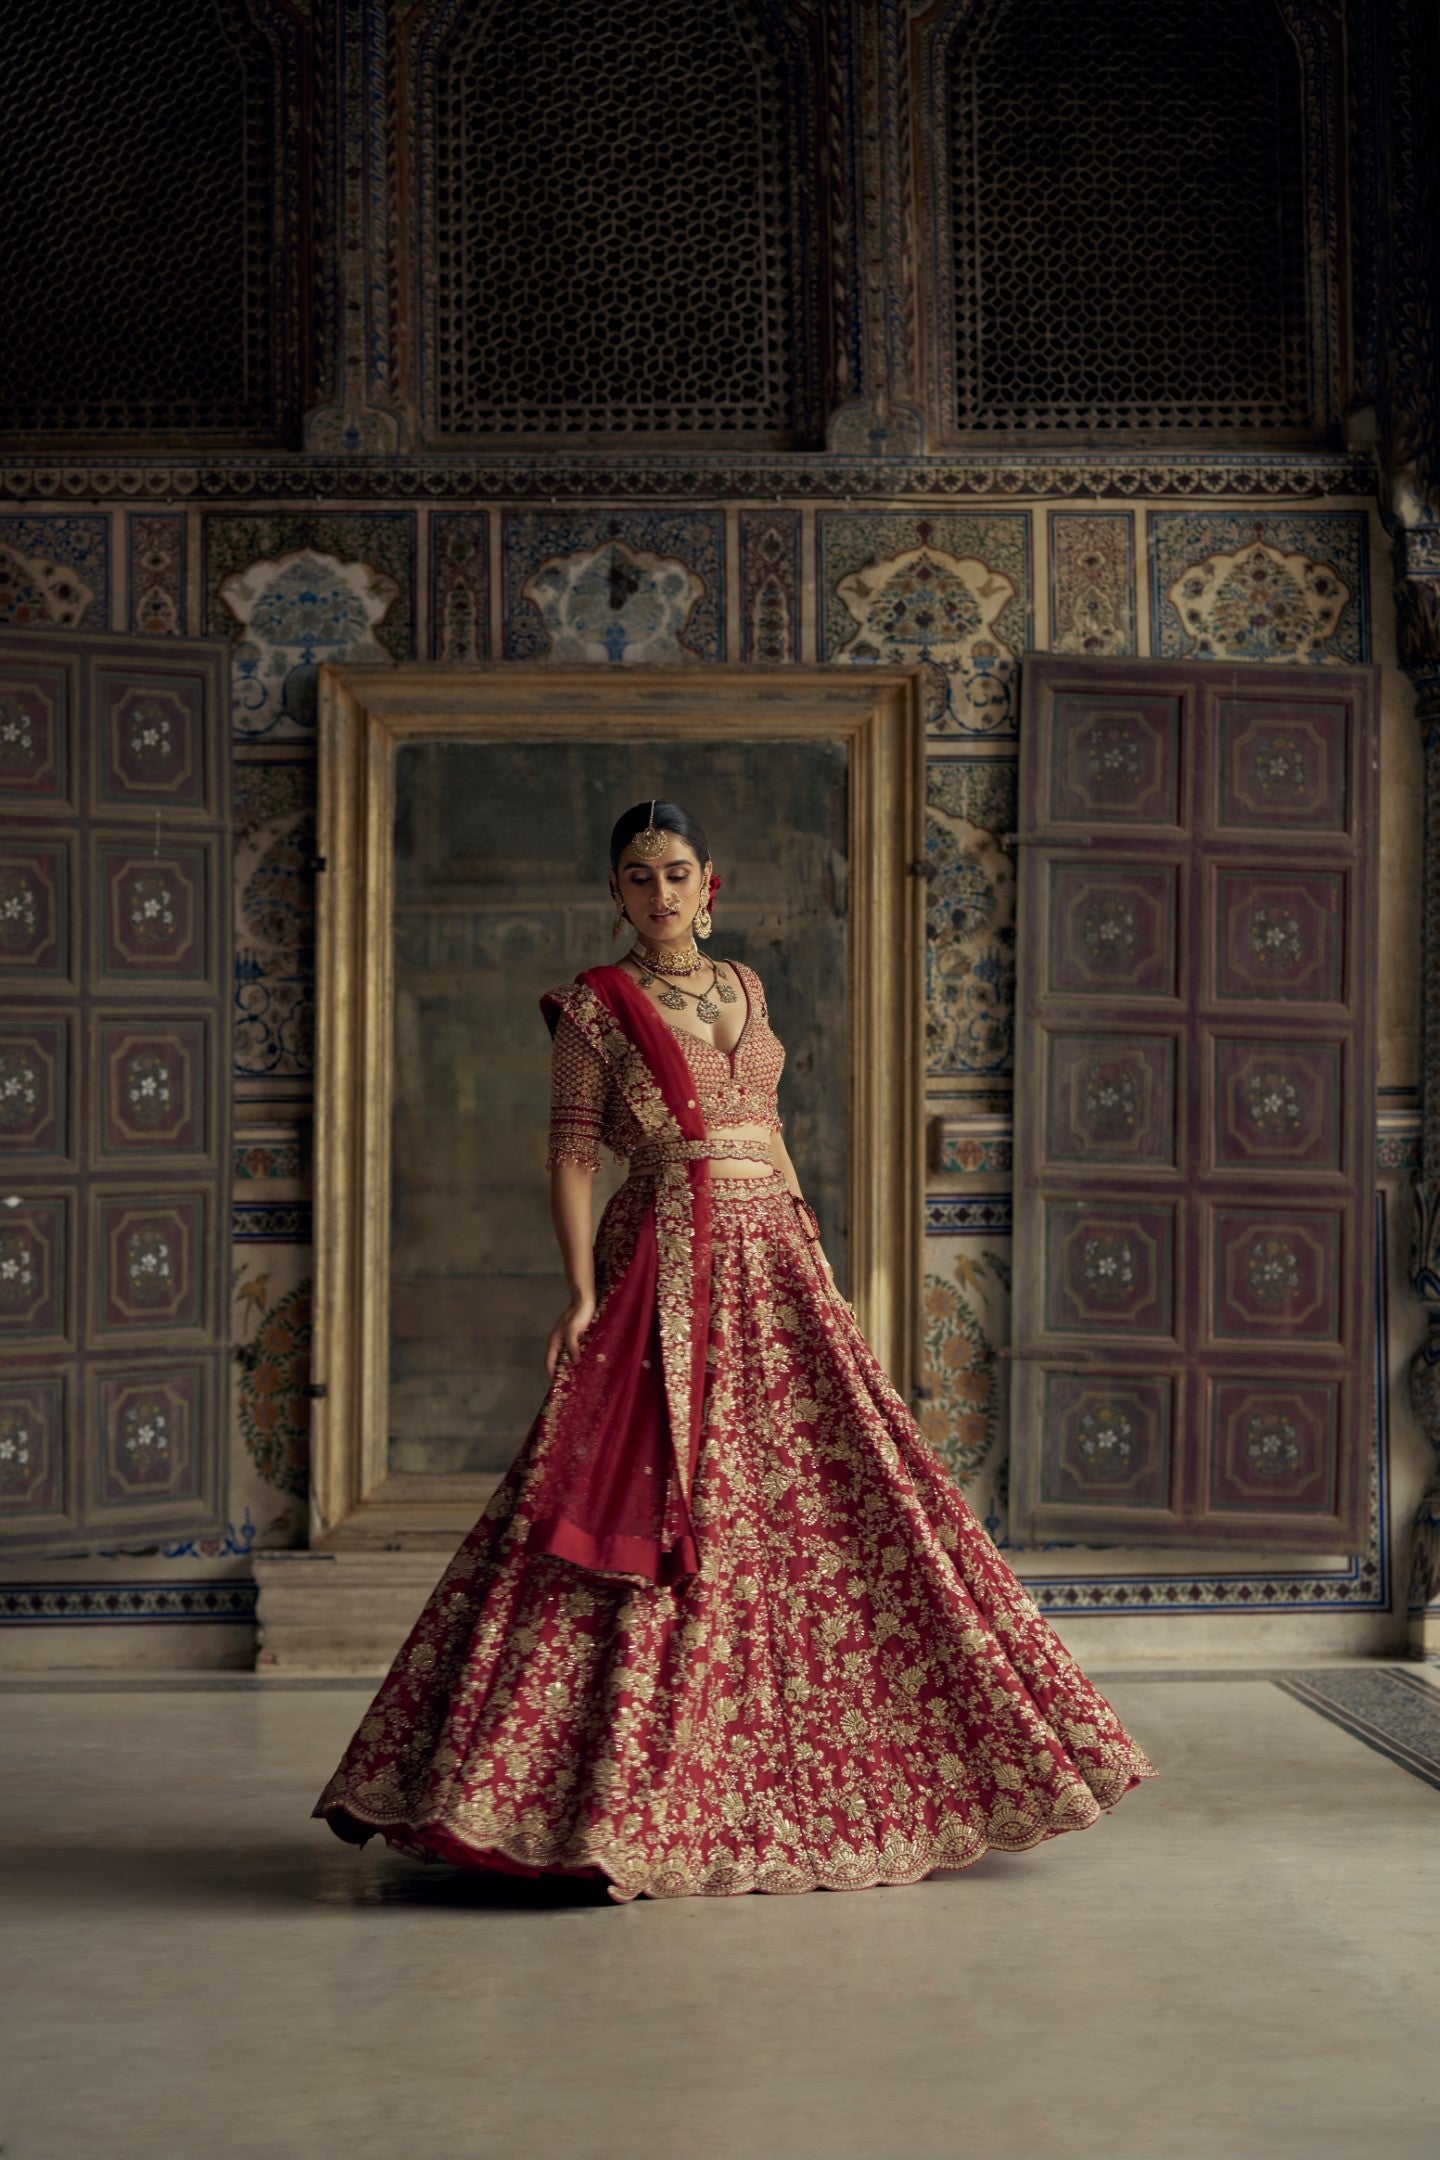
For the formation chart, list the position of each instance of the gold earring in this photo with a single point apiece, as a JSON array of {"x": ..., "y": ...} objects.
[
  {"x": 703, "y": 924},
  {"x": 619, "y": 919}
]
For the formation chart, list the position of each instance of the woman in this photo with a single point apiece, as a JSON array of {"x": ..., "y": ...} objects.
[{"x": 727, "y": 1625}]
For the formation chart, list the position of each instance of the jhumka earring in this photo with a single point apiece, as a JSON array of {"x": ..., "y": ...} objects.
[
  {"x": 704, "y": 923},
  {"x": 619, "y": 920}
]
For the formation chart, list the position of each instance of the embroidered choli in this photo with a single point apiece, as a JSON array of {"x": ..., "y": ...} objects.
[{"x": 737, "y": 1087}]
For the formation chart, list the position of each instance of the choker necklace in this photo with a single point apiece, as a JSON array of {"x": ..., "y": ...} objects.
[{"x": 687, "y": 960}]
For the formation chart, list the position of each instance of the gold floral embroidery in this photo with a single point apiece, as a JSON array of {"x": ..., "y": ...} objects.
[{"x": 854, "y": 1690}]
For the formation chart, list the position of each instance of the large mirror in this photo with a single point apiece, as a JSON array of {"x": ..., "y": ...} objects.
[{"x": 466, "y": 816}]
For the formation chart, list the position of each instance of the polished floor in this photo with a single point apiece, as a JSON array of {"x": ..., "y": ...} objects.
[{"x": 1239, "y": 1961}]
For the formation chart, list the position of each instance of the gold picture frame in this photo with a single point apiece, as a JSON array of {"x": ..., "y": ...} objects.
[{"x": 365, "y": 715}]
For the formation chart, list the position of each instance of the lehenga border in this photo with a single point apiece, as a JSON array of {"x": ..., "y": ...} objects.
[{"x": 895, "y": 1865}]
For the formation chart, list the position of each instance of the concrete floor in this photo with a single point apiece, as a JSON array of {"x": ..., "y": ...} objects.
[{"x": 1241, "y": 1960}]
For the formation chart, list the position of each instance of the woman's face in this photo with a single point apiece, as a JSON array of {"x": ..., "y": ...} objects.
[{"x": 663, "y": 898}]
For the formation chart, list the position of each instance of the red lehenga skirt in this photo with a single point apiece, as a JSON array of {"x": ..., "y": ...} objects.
[{"x": 853, "y": 1690}]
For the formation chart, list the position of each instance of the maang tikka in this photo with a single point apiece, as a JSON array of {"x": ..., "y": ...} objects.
[{"x": 649, "y": 845}]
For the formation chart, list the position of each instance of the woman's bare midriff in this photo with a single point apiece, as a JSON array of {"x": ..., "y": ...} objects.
[{"x": 725, "y": 1167}]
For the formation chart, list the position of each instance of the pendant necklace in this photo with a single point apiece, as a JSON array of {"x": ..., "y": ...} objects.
[{"x": 673, "y": 998}]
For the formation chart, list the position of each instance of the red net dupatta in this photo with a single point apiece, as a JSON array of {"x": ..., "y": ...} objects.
[{"x": 617, "y": 1436}]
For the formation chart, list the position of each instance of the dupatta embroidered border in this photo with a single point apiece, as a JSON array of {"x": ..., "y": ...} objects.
[{"x": 619, "y": 1432}]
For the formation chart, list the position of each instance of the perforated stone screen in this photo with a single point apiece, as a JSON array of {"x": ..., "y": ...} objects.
[
  {"x": 615, "y": 244},
  {"x": 1127, "y": 219},
  {"x": 147, "y": 217}
]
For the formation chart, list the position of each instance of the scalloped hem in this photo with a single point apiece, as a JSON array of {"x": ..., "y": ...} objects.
[{"x": 437, "y": 1842}]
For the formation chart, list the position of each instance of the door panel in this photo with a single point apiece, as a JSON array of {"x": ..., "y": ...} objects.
[
  {"x": 115, "y": 1000},
  {"x": 1194, "y": 1085}
]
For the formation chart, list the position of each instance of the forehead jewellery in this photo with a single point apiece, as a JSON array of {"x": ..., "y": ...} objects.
[{"x": 649, "y": 845}]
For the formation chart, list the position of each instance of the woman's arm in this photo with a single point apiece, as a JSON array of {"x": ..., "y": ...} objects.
[
  {"x": 572, "y": 1186},
  {"x": 780, "y": 1156}
]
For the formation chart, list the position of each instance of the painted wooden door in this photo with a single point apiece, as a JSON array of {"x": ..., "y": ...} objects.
[
  {"x": 115, "y": 1000},
  {"x": 1194, "y": 1101}
]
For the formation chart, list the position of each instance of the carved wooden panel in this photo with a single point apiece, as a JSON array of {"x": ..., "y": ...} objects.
[
  {"x": 115, "y": 999},
  {"x": 1193, "y": 1325}
]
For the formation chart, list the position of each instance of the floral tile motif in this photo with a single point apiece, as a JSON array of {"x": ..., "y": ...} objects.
[
  {"x": 55, "y": 573},
  {"x": 951, "y": 591},
  {"x": 291, "y": 591},
  {"x": 955, "y": 1146},
  {"x": 255, "y": 1161},
  {"x": 770, "y": 584},
  {"x": 966, "y": 1322},
  {"x": 1092, "y": 582},
  {"x": 270, "y": 1405},
  {"x": 1240, "y": 587},
  {"x": 643, "y": 586},
  {"x": 274, "y": 920},
  {"x": 155, "y": 550},
  {"x": 970, "y": 916},
  {"x": 460, "y": 586}
]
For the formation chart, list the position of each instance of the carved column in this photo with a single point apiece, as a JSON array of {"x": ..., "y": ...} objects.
[
  {"x": 1417, "y": 595},
  {"x": 1407, "y": 45},
  {"x": 358, "y": 413}
]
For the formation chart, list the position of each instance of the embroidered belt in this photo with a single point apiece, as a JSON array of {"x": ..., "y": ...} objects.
[{"x": 662, "y": 1154}]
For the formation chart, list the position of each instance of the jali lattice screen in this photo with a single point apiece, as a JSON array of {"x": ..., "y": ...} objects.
[
  {"x": 153, "y": 228},
  {"x": 1134, "y": 215},
  {"x": 614, "y": 213}
]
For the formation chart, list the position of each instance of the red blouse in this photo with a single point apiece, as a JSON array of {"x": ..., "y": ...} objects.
[{"x": 736, "y": 1087}]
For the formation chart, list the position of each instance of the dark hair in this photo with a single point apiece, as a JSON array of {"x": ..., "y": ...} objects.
[{"x": 668, "y": 817}]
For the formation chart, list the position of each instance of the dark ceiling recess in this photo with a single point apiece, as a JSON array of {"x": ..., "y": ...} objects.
[
  {"x": 152, "y": 220},
  {"x": 1135, "y": 239}
]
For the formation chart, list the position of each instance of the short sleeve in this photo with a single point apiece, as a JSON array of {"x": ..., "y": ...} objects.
[{"x": 578, "y": 1083}]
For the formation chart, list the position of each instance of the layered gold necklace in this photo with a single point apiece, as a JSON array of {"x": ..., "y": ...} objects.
[{"x": 657, "y": 966}]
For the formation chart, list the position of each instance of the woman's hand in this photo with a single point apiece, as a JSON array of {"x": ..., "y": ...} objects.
[{"x": 567, "y": 1331}]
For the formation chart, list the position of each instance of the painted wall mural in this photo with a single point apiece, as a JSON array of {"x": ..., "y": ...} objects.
[
  {"x": 155, "y": 563},
  {"x": 460, "y": 587},
  {"x": 1240, "y": 587},
  {"x": 970, "y": 916},
  {"x": 770, "y": 585},
  {"x": 274, "y": 920},
  {"x": 653, "y": 583},
  {"x": 291, "y": 592},
  {"x": 951, "y": 592},
  {"x": 1092, "y": 582},
  {"x": 55, "y": 573},
  {"x": 591, "y": 588}
]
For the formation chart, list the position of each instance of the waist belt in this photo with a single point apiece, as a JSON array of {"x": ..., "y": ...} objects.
[{"x": 659, "y": 1154}]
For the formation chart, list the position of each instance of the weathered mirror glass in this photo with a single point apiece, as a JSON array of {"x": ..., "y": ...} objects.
[{"x": 500, "y": 892}]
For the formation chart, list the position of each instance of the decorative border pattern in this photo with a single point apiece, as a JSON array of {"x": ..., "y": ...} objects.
[
  {"x": 271, "y": 1222},
  {"x": 736, "y": 477},
  {"x": 254, "y": 1159},
  {"x": 45, "y": 1604},
  {"x": 948, "y": 1216}
]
